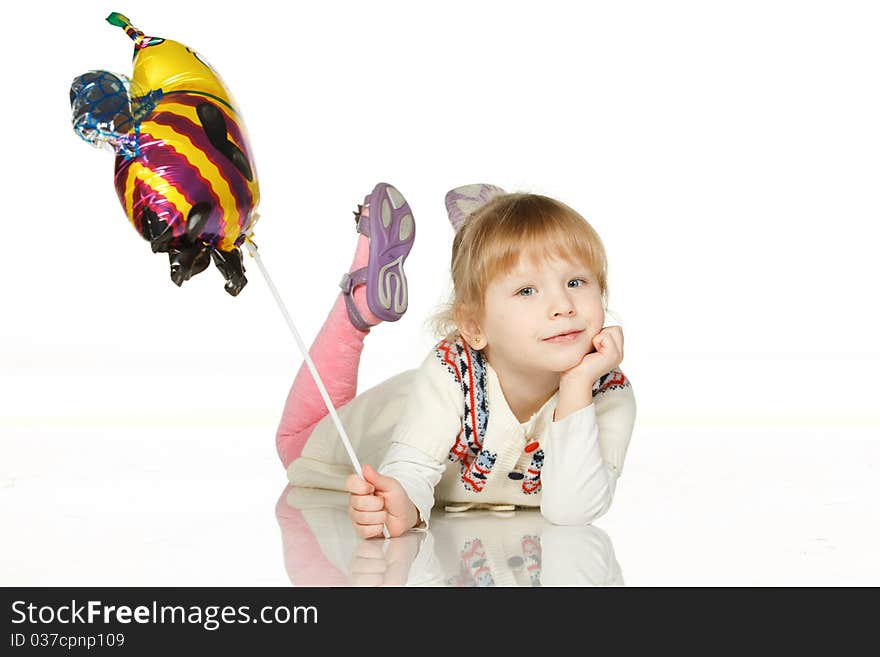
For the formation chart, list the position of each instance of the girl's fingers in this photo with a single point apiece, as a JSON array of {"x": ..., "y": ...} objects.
[
  {"x": 366, "y": 502},
  {"x": 357, "y": 486},
  {"x": 613, "y": 344},
  {"x": 614, "y": 336},
  {"x": 367, "y": 517},
  {"x": 368, "y": 531},
  {"x": 617, "y": 336}
]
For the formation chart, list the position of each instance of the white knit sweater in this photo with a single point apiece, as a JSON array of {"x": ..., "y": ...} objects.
[{"x": 446, "y": 433}]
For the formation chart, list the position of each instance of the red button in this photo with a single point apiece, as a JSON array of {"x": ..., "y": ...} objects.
[{"x": 531, "y": 447}]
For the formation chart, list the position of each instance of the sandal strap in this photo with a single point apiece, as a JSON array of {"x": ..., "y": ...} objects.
[
  {"x": 363, "y": 225},
  {"x": 349, "y": 281},
  {"x": 352, "y": 279}
]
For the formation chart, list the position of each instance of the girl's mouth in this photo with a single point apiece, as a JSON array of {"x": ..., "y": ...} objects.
[{"x": 571, "y": 336}]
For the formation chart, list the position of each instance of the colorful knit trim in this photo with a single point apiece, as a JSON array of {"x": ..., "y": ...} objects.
[
  {"x": 614, "y": 380},
  {"x": 468, "y": 368},
  {"x": 531, "y": 483}
]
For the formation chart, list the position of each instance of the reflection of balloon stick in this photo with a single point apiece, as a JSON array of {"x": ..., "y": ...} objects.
[{"x": 184, "y": 171}]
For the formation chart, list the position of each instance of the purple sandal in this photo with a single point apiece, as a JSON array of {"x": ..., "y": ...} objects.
[
  {"x": 462, "y": 201},
  {"x": 391, "y": 229}
]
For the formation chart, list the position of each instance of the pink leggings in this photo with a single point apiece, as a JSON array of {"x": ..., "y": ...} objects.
[{"x": 336, "y": 353}]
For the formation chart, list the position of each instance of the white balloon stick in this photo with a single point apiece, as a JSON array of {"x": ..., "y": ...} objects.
[{"x": 252, "y": 250}]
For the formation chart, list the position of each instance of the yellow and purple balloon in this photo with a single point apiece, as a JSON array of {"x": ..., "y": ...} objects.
[{"x": 184, "y": 171}]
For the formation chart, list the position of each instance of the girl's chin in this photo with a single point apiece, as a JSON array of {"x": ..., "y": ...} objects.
[
  {"x": 565, "y": 362},
  {"x": 561, "y": 366}
]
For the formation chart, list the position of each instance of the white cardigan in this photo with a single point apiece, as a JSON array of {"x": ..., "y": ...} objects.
[{"x": 446, "y": 432}]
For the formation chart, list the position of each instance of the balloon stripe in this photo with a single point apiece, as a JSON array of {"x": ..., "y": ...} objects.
[
  {"x": 188, "y": 164},
  {"x": 192, "y": 130},
  {"x": 145, "y": 195},
  {"x": 173, "y": 172},
  {"x": 236, "y": 131},
  {"x": 161, "y": 193},
  {"x": 182, "y": 106},
  {"x": 178, "y": 141},
  {"x": 179, "y": 175},
  {"x": 185, "y": 106},
  {"x": 234, "y": 125},
  {"x": 135, "y": 193}
]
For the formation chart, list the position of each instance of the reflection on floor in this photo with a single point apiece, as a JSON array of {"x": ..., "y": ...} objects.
[
  {"x": 199, "y": 506},
  {"x": 475, "y": 548}
]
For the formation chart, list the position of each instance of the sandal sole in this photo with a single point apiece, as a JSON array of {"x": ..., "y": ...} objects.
[{"x": 392, "y": 233}]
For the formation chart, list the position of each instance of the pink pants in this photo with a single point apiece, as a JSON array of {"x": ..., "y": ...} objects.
[{"x": 336, "y": 353}]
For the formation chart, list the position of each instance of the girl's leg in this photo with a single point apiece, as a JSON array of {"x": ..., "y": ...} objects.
[
  {"x": 336, "y": 353},
  {"x": 374, "y": 290}
]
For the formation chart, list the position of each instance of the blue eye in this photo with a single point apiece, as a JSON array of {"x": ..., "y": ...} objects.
[{"x": 520, "y": 293}]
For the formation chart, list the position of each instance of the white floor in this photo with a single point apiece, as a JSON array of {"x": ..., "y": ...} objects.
[{"x": 206, "y": 506}]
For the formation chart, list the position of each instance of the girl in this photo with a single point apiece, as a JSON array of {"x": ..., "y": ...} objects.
[{"x": 520, "y": 404}]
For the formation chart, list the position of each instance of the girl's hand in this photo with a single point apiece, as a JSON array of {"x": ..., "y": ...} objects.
[
  {"x": 378, "y": 500},
  {"x": 384, "y": 563},
  {"x": 608, "y": 355}
]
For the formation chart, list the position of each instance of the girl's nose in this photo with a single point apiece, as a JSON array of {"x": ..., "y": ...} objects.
[{"x": 563, "y": 307}]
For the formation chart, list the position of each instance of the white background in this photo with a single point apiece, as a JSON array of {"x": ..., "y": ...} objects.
[{"x": 727, "y": 154}]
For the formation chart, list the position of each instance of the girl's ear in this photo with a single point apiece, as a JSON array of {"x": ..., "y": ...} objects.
[{"x": 469, "y": 328}]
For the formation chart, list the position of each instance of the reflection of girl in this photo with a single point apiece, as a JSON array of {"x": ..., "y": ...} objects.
[
  {"x": 525, "y": 550},
  {"x": 321, "y": 548},
  {"x": 520, "y": 404}
]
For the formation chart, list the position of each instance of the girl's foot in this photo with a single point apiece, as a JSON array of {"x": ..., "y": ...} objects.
[
  {"x": 386, "y": 221},
  {"x": 462, "y": 201}
]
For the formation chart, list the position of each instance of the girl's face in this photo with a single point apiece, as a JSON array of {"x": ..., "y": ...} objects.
[{"x": 526, "y": 309}]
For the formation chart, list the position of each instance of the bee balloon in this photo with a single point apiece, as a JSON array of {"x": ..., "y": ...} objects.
[{"x": 184, "y": 171}]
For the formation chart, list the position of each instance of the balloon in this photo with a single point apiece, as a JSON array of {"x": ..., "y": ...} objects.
[{"x": 184, "y": 172}]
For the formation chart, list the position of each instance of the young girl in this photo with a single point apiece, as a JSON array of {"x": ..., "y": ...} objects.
[{"x": 520, "y": 404}]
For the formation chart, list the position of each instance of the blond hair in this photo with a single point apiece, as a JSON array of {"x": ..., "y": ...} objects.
[{"x": 491, "y": 241}]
